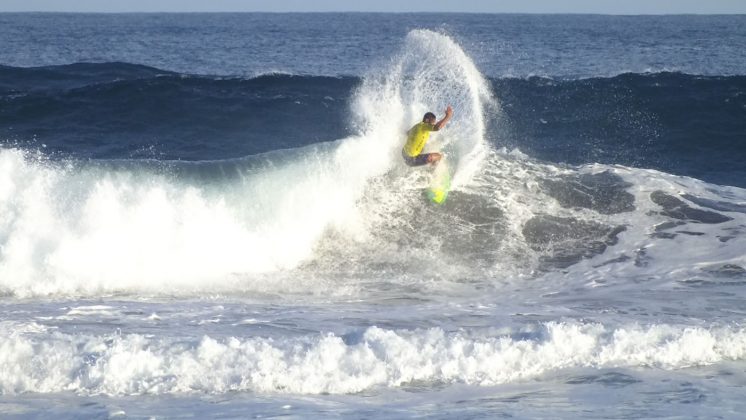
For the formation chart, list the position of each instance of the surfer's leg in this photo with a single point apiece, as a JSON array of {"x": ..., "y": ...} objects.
[{"x": 418, "y": 160}]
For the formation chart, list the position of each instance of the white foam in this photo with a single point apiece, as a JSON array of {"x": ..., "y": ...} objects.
[
  {"x": 91, "y": 230},
  {"x": 92, "y": 310},
  {"x": 139, "y": 364}
]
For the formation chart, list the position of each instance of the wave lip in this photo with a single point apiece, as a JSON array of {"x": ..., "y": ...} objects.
[{"x": 134, "y": 364}]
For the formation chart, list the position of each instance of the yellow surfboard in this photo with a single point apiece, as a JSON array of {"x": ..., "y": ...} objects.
[{"x": 440, "y": 183}]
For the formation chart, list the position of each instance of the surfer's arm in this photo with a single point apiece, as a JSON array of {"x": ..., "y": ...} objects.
[{"x": 440, "y": 124}]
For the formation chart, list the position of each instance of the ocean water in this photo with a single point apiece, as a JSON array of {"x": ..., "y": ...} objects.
[{"x": 207, "y": 216}]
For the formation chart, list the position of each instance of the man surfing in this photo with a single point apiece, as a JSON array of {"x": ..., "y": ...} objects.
[{"x": 418, "y": 135}]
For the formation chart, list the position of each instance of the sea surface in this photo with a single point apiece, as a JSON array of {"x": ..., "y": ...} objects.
[{"x": 207, "y": 216}]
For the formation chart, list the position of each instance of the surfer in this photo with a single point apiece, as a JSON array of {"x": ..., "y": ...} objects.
[{"x": 418, "y": 135}]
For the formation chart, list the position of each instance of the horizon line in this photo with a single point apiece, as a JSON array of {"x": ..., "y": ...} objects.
[{"x": 373, "y": 12}]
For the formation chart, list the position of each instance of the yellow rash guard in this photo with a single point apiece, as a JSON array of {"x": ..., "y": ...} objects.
[{"x": 417, "y": 136}]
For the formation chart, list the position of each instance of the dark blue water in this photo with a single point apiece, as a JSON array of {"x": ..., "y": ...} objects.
[
  {"x": 679, "y": 123},
  {"x": 247, "y": 44},
  {"x": 657, "y": 92},
  {"x": 117, "y": 110}
]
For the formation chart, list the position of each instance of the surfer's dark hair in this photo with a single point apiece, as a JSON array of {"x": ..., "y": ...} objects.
[{"x": 428, "y": 116}]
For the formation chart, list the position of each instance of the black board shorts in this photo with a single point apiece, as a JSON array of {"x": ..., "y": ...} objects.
[{"x": 418, "y": 160}]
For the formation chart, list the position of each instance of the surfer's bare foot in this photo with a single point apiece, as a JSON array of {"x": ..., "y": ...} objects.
[{"x": 434, "y": 158}]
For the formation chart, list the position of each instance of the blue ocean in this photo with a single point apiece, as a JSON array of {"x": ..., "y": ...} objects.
[{"x": 208, "y": 216}]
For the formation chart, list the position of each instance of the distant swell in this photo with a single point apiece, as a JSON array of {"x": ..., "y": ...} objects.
[
  {"x": 118, "y": 110},
  {"x": 678, "y": 123}
]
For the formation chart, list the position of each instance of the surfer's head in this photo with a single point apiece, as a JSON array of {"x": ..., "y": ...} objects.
[{"x": 429, "y": 118}]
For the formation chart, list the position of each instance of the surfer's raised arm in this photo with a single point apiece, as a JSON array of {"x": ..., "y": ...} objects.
[{"x": 440, "y": 124}]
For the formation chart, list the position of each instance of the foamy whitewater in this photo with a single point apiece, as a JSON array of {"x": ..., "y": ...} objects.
[{"x": 315, "y": 279}]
